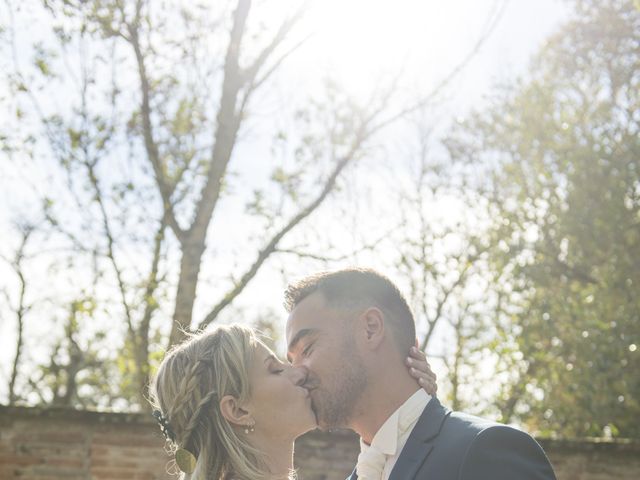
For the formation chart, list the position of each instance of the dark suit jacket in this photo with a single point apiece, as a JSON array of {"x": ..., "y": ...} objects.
[{"x": 446, "y": 445}]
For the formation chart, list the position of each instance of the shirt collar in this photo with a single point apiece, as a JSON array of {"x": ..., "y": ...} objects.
[{"x": 387, "y": 437}]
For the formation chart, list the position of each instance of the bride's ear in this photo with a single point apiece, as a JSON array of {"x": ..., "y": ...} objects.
[{"x": 233, "y": 412}]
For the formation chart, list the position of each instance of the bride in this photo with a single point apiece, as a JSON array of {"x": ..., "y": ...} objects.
[{"x": 231, "y": 409}]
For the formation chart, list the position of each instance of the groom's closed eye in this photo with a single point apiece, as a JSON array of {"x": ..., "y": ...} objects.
[
  {"x": 307, "y": 350},
  {"x": 299, "y": 340}
]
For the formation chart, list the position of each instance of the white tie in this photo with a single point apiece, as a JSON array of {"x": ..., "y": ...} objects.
[{"x": 370, "y": 464}]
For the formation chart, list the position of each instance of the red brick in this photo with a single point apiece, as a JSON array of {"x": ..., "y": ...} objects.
[
  {"x": 50, "y": 437},
  {"x": 66, "y": 462},
  {"x": 19, "y": 460}
]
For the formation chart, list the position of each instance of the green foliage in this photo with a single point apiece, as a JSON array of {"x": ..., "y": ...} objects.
[
  {"x": 42, "y": 59},
  {"x": 77, "y": 369},
  {"x": 560, "y": 160}
]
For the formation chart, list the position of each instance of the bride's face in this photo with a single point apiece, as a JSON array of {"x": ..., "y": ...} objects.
[{"x": 280, "y": 406}]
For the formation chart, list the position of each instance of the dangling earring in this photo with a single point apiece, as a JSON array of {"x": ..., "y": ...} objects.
[{"x": 249, "y": 429}]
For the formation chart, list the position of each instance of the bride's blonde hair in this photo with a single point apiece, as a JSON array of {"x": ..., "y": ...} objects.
[{"x": 187, "y": 389}]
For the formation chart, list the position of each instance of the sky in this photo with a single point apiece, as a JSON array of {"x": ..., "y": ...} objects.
[
  {"x": 360, "y": 43},
  {"x": 347, "y": 42}
]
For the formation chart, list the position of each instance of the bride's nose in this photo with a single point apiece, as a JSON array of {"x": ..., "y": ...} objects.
[{"x": 298, "y": 376}]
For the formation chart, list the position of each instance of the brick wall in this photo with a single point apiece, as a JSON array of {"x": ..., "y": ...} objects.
[
  {"x": 55, "y": 444},
  {"x": 48, "y": 444}
]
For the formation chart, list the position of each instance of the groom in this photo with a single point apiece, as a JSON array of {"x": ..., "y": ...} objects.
[{"x": 350, "y": 329}]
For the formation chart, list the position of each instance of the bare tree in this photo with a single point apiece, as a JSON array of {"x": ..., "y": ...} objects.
[{"x": 155, "y": 120}]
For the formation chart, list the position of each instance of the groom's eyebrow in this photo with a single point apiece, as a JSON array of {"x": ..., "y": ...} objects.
[{"x": 305, "y": 332}]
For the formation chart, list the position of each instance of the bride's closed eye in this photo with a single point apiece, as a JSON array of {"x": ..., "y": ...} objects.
[{"x": 274, "y": 366}]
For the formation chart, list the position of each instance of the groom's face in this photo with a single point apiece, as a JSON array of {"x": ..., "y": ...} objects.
[{"x": 320, "y": 339}]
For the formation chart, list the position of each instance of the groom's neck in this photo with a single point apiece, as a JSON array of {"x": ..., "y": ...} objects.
[{"x": 389, "y": 387}]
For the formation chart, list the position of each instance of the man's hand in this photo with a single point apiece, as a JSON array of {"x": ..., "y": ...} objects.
[{"x": 420, "y": 370}]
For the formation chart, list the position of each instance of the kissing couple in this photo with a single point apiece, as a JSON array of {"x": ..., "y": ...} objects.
[{"x": 232, "y": 410}]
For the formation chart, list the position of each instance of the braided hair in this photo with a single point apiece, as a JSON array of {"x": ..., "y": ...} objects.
[{"x": 187, "y": 389}]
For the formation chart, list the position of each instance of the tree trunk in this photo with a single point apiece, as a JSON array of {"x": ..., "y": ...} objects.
[{"x": 187, "y": 283}]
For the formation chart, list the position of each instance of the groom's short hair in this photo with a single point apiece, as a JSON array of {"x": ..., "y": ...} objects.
[{"x": 359, "y": 288}]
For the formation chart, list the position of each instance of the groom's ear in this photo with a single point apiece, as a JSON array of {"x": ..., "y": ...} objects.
[
  {"x": 233, "y": 412},
  {"x": 373, "y": 327}
]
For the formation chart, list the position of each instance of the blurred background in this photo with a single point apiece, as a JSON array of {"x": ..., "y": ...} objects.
[{"x": 166, "y": 166}]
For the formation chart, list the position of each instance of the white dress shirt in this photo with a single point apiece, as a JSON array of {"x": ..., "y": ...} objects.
[{"x": 378, "y": 459}]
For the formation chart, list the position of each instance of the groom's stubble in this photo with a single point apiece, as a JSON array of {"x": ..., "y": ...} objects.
[{"x": 335, "y": 398}]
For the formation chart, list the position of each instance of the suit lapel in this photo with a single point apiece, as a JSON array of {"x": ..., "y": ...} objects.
[{"x": 420, "y": 441}]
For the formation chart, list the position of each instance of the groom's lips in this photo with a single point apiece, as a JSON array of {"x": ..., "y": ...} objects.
[{"x": 313, "y": 409}]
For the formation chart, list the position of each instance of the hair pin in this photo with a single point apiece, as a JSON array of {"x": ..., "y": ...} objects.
[
  {"x": 185, "y": 460},
  {"x": 165, "y": 427}
]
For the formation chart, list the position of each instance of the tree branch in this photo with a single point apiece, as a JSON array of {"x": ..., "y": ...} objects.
[
  {"x": 324, "y": 258},
  {"x": 249, "y": 75},
  {"x": 271, "y": 246},
  {"x": 151, "y": 147},
  {"x": 20, "y": 312},
  {"x": 452, "y": 74}
]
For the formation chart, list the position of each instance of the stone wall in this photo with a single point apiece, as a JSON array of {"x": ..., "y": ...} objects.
[{"x": 55, "y": 444}]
